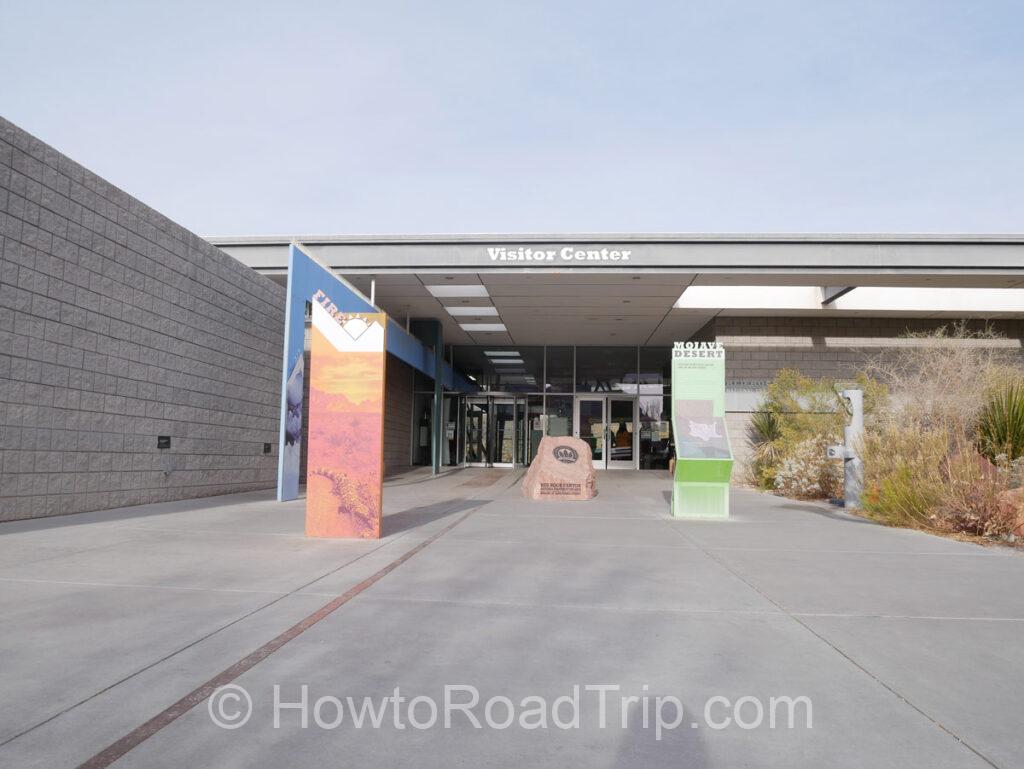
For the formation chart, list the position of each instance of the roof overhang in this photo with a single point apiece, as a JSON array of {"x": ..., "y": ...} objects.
[{"x": 639, "y": 289}]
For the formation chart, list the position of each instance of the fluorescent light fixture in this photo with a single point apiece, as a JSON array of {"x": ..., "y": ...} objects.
[
  {"x": 477, "y": 311},
  {"x": 516, "y": 361},
  {"x": 482, "y": 326},
  {"x": 471, "y": 289},
  {"x": 750, "y": 298},
  {"x": 501, "y": 353},
  {"x": 979, "y": 300},
  {"x": 902, "y": 299}
]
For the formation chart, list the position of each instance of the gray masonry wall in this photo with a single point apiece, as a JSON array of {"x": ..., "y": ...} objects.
[
  {"x": 117, "y": 326},
  {"x": 756, "y": 348},
  {"x": 398, "y": 385}
]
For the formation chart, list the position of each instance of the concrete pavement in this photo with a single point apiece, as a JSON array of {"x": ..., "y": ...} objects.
[{"x": 907, "y": 645}]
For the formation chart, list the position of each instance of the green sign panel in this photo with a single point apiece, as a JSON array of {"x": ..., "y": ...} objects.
[{"x": 703, "y": 456}]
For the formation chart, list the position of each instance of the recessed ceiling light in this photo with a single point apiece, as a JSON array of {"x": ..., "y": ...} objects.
[
  {"x": 502, "y": 353},
  {"x": 480, "y": 311},
  {"x": 482, "y": 326},
  {"x": 473, "y": 289},
  {"x": 513, "y": 361}
]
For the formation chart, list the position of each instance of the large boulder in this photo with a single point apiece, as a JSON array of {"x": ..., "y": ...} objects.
[{"x": 563, "y": 470}]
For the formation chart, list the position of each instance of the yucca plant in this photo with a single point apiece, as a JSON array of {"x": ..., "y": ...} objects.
[
  {"x": 764, "y": 434},
  {"x": 765, "y": 431},
  {"x": 1001, "y": 423}
]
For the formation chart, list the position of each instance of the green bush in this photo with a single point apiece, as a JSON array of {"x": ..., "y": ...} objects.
[
  {"x": 799, "y": 417},
  {"x": 804, "y": 407},
  {"x": 1001, "y": 423}
]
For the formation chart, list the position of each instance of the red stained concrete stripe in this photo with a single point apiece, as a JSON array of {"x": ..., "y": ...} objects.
[{"x": 137, "y": 736}]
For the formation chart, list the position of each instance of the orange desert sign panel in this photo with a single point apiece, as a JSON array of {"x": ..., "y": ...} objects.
[{"x": 345, "y": 471}]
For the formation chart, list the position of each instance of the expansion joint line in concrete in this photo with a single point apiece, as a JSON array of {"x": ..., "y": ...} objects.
[
  {"x": 796, "y": 618},
  {"x": 164, "y": 718}
]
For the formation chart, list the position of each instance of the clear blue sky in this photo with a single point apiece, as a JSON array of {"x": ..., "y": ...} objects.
[{"x": 380, "y": 116}]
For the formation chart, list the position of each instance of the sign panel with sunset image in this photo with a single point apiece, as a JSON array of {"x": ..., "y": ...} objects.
[{"x": 346, "y": 419}]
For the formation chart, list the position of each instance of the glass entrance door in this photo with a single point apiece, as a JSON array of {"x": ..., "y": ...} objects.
[
  {"x": 495, "y": 431},
  {"x": 621, "y": 433},
  {"x": 608, "y": 424},
  {"x": 590, "y": 426},
  {"x": 504, "y": 412},
  {"x": 477, "y": 432}
]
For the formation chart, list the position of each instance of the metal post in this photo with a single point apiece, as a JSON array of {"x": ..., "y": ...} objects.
[
  {"x": 438, "y": 410},
  {"x": 853, "y": 466}
]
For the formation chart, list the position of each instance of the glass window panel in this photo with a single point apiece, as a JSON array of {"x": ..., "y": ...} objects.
[
  {"x": 606, "y": 369},
  {"x": 620, "y": 429},
  {"x": 504, "y": 431},
  {"x": 422, "y": 407},
  {"x": 655, "y": 369},
  {"x": 476, "y": 430},
  {"x": 534, "y": 425},
  {"x": 506, "y": 369},
  {"x": 655, "y": 432},
  {"x": 559, "y": 414},
  {"x": 452, "y": 442},
  {"x": 521, "y": 425},
  {"x": 592, "y": 426},
  {"x": 559, "y": 376}
]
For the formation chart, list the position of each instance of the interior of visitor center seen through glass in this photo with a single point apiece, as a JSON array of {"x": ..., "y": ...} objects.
[{"x": 614, "y": 398}]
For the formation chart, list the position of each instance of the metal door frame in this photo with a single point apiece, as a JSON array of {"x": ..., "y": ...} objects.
[
  {"x": 607, "y": 463},
  {"x": 503, "y": 401},
  {"x": 603, "y": 400},
  {"x": 520, "y": 406},
  {"x": 465, "y": 431}
]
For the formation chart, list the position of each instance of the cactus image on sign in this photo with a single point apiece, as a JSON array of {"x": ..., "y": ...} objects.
[{"x": 700, "y": 487}]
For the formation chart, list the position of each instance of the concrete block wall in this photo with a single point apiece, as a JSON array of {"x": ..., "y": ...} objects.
[
  {"x": 117, "y": 326},
  {"x": 821, "y": 347},
  {"x": 398, "y": 395}
]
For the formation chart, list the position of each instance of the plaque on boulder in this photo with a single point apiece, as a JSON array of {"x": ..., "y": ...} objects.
[{"x": 562, "y": 469}]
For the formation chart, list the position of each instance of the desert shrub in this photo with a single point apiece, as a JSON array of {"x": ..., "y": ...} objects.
[
  {"x": 1001, "y": 422},
  {"x": 935, "y": 452},
  {"x": 789, "y": 434},
  {"x": 938, "y": 379},
  {"x": 902, "y": 473},
  {"x": 804, "y": 408},
  {"x": 763, "y": 434},
  {"x": 971, "y": 503},
  {"x": 806, "y": 473}
]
